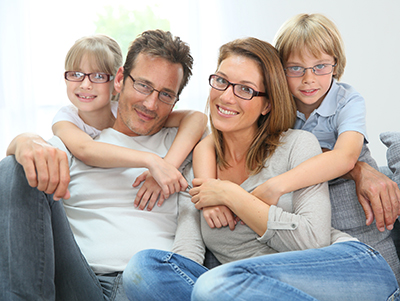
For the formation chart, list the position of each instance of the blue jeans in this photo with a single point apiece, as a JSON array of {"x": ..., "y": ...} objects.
[
  {"x": 39, "y": 257},
  {"x": 342, "y": 271}
]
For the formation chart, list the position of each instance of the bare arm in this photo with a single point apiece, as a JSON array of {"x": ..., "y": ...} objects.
[
  {"x": 192, "y": 125},
  {"x": 318, "y": 169},
  {"x": 205, "y": 167},
  {"x": 100, "y": 154},
  {"x": 46, "y": 167},
  {"x": 204, "y": 160}
]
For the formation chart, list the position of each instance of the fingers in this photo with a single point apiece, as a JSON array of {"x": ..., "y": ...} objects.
[
  {"x": 140, "y": 179},
  {"x": 369, "y": 214}
]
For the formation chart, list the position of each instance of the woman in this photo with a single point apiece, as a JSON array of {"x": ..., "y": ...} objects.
[{"x": 251, "y": 111}]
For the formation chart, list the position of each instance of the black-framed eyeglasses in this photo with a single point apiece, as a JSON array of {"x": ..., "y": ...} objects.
[
  {"x": 320, "y": 69},
  {"x": 242, "y": 91},
  {"x": 165, "y": 97},
  {"x": 96, "y": 77}
]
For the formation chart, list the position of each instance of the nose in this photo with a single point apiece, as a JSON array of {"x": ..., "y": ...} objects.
[
  {"x": 228, "y": 96},
  {"x": 151, "y": 101},
  {"x": 309, "y": 76},
  {"x": 86, "y": 83}
]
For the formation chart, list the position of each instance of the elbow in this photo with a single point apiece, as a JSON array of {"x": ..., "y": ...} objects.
[
  {"x": 84, "y": 155},
  {"x": 349, "y": 164}
]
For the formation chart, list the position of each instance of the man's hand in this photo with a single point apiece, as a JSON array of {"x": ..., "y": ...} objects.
[
  {"x": 378, "y": 195},
  {"x": 46, "y": 167}
]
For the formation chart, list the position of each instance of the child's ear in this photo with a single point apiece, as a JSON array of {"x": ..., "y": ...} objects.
[
  {"x": 119, "y": 81},
  {"x": 267, "y": 108}
]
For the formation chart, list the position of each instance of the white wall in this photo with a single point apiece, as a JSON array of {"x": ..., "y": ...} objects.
[
  {"x": 370, "y": 30},
  {"x": 36, "y": 41}
]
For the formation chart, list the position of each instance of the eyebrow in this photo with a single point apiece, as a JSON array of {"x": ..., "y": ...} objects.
[
  {"x": 243, "y": 82},
  {"x": 322, "y": 61}
]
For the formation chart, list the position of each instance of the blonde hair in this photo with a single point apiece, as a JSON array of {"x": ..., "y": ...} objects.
[
  {"x": 315, "y": 33},
  {"x": 283, "y": 110},
  {"x": 103, "y": 50}
]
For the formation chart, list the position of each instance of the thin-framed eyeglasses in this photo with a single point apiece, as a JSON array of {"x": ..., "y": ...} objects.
[
  {"x": 95, "y": 77},
  {"x": 242, "y": 91},
  {"x": 165, "y": 97},
  {"x": 320, "y": 69}
]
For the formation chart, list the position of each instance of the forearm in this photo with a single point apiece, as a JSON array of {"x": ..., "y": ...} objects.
[
  {"x": 190, "y": 131},
  {"x": 251, "y": 210},
  {"x": 318, "y": 169},
  {"x": 106, "y": 155}
]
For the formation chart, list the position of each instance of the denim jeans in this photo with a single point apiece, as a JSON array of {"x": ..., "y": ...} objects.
[
  {"x": 39, "y": 258},
  {"x": 342, "y": 271}
]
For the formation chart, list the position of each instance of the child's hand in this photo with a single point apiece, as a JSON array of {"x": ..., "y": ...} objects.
[
  {"x": 166, "y": 175},
  {"x": 148, "y": 193},
  {"x": 219, "y": 216}
]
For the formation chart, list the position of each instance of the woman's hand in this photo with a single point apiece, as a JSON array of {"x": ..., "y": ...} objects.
[{"x": 212, "y": 192}]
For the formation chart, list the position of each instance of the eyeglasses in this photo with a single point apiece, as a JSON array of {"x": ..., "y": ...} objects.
[
  {"x": 320, "y": 69},
  {"x": 241, "y": 91},
  {"x": 163, "y": 96},
  {"x": 96, "y": 77}
]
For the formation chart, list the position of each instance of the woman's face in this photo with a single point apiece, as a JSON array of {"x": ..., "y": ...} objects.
[{"x": 229, "y": 113}]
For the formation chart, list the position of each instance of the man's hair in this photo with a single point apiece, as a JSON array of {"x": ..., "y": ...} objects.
[
  {"x": 283, "y": 110},
  {"x": 315, "y": 33},
  {"x": 159, "y": 43},
  {"x": 103, "y": 52}
]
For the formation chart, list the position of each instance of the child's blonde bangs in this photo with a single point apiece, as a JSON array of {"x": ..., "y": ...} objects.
[
  {"x": 99, "y": 51},
  {"x": 312, "y": 33}
]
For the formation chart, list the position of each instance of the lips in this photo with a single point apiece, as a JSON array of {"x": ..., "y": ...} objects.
[
  {"x": 309, "y": 92},
  {"x": 144, "y": 116}
]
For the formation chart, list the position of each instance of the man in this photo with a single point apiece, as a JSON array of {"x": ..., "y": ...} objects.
[{"x": 78, "y": 248}]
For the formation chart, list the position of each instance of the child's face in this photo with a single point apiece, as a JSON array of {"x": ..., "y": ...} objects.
[
  {"x": 309, "y": 90},
  {"x": 88, "y": 96}
]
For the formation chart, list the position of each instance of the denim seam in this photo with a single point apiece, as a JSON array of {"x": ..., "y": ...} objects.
[{"x": 177, "y": 269}]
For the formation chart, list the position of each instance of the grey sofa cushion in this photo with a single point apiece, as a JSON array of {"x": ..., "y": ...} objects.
[{"x": 392, "y": 142}]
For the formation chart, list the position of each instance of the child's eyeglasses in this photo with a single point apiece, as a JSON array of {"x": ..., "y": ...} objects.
[
  {"x": 97, "y": 77},
  {"x": 320, "y": 69}
]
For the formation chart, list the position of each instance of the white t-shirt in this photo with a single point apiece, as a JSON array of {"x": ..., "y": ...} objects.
[
  {"x": 70, "y": 113},
  {"x": 107, "y": 227}
]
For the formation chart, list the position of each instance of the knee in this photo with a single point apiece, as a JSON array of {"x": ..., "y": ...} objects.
[
  {"x": 140, "y": 273},
  {"x": 12, "y": 173},
  {"x": 210, "y": 285}
]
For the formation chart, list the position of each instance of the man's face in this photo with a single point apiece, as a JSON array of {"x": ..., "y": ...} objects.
[{"x": 140, "y": 114}]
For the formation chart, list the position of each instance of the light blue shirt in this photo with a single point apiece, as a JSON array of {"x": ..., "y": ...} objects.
[{"x": 343, "y": 109}]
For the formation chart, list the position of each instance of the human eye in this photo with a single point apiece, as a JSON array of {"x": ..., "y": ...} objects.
[
  {"x": 320, "y": 67},
  {"x": 75, "y": 74},
  {"x": 166, "y": 97},
  {"x": 100, "y": 76},
  {"x": 244, "y": 91},
  {"x": 143, "y": 87},
  {"x": 220, "y": 81},
  {"x": 295, "y": 69}
]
